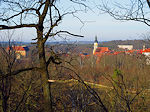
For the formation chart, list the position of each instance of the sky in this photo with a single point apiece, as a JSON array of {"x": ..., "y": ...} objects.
[{"x": 103, "y": 26}]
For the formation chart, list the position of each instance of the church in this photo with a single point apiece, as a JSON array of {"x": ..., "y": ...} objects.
[{"x": 98, "y": 51}]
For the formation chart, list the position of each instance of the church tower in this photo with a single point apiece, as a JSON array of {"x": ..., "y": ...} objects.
[{"x": 95, "y": 45}]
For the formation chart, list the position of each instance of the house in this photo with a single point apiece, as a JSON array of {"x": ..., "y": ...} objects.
[
  {"x": 20, "y": 51},
  {"x": 128, "y": 47},
  {"x": 101, "y": 50},
  {"x": 146, "y": 52}
]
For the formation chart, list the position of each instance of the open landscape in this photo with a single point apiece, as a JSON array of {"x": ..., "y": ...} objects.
[{"x": 43, "y": 69}]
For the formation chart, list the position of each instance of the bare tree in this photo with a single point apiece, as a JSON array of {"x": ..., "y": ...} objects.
[
  {"x": 135, "y": 10},
  {"x": 7, "y": 62},
  {"x": 44, "y": 16}
]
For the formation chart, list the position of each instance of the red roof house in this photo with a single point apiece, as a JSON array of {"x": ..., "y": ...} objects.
[
  {"x": 101, "y": 50},
  {"x": 19, "y": 50}
]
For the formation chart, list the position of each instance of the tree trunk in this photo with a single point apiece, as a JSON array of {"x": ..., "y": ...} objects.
[
  {"x": 1, "y": 102},
  {"x": 4, "y": 104},
  {"x": 44, "y": 75},
  {"x": 5, "y": 94}
]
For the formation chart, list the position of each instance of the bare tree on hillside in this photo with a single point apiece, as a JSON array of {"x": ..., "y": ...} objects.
[
  {"x": 7, "y": 62},
  {"x": 44, "y": 16}
]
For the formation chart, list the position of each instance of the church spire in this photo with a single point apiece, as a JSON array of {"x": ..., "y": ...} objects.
[{"x": 96, "y": 41}]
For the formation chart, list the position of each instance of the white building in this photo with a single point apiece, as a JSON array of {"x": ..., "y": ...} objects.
[{"x": 128, "y": 47}]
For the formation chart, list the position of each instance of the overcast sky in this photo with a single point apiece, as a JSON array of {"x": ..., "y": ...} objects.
[{"x": 105, "y": 27}]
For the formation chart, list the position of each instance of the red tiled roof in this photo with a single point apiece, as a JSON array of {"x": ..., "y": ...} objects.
[
  {"x": 143, "y": 51},
  {"x": 118, "y": 52},
  {"x": 16, "y": 48},
  {"x": 146, "y": 50},
  {"x": 100, "y": 50},
  {"x": 130, "y": 51}
]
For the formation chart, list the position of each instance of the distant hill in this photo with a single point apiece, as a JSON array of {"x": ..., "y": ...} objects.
[
  {"x": 5, "y": 44},
  {"x": 137, "y": 44},
  {"x": 70, "y": 42}
]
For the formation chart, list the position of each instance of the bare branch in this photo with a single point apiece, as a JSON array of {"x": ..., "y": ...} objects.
[
  {"x": 53, "y": 58},
  {"x": 148, "y": 2},
  {"x": 20, "y": 13},
  {"x": 3, "y": 27},
  {"x": 20, "y": 71},
  {"x": 23, "y": 96},
  {"x": 136, "y": 12},
  {"x": 67, "y": 32},
  {"x": 92, "y": 91}
]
